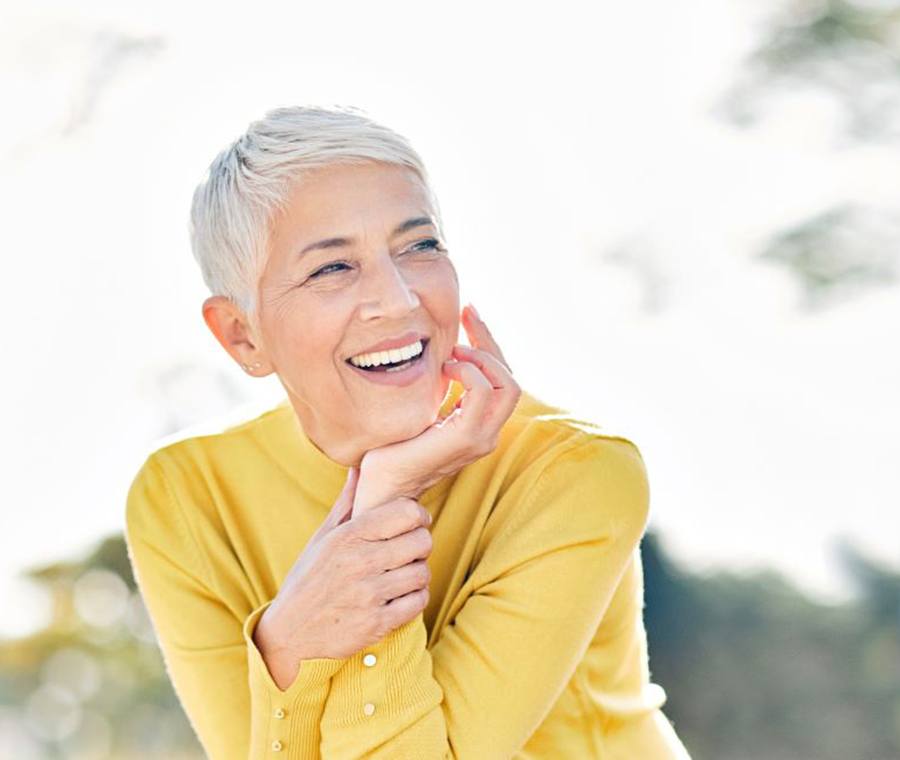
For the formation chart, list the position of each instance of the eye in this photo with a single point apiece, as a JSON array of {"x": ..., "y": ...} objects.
[
  {"x": 430, "y": 245},
  {"x": 327, "y": 268}
]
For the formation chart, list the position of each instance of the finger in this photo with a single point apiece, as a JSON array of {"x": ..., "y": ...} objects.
[
  {"x": 480, "y": 336},
  {"x": 401, "y": 580},
  {"x": 403, "y": 608},
  {"x": 492, "y": 367},
  {"x": 393, "y": 518},
  {"x": 498, "y": 375},
  {"x": 485, "y": 421},
  {"x": 399, "y": 551},
  {"x": 476, "y": 400}
]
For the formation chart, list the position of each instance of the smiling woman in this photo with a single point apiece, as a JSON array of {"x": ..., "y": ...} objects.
[{"x": 409, "y": 556}]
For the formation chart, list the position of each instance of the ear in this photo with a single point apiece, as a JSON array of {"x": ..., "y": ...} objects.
[{"x": 232, "y": 329}]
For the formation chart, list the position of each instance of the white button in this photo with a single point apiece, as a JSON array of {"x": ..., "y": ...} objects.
[
  {"x": 276, "y": 746},
  {"x": 368, "y": 708},
  {"x": 279, "y": 713},
  {"x": 369, "y": 660}
]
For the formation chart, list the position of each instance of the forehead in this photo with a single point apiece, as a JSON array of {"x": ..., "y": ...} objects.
[{"x": 325, "y": 200}]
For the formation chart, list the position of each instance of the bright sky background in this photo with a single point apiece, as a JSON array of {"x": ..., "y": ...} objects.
[{"x": 556, "y": 136}]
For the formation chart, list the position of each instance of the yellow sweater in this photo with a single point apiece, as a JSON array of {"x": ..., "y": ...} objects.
[{"x": 532, "y": 645}]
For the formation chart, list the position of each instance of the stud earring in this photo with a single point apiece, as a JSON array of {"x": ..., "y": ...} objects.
[{"x": 248, "y": 368}]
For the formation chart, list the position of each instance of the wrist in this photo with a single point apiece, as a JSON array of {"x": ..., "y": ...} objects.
[
  {"x": 378, "y": 485},
  {"x": 282, "y": 660},
  {"x": 264, "y": 635}
]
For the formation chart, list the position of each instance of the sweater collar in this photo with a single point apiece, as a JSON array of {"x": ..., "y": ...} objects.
[{"x": 313, "y": 469}]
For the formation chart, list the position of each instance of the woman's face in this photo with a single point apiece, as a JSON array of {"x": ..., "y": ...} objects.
[{"x": 382, "y": 271}]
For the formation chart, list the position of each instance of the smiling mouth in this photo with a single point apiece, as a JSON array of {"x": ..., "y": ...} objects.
[{"x": 395, "y": 367}]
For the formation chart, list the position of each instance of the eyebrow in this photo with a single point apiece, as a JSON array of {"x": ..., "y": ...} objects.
[{"x": 337, "y": 242}]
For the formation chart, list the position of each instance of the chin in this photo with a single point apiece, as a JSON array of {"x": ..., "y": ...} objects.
[{"x": 408, "y": 424}]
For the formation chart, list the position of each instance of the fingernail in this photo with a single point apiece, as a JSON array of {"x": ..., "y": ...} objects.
[{"x": 475, "y": 312}]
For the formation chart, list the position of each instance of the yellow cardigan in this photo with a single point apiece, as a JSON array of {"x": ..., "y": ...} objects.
[{"x": 532, "y": 645}]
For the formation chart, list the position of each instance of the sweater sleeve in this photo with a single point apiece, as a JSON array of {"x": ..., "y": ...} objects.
[
  {"x": 540, "y": 590},
  {"x": 218, "y": 674}
]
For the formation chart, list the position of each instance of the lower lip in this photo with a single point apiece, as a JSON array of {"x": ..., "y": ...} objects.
[{"x": 399, "y": 377}]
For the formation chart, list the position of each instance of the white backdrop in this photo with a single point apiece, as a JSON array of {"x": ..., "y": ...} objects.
[{"x": 601, "y": 219}]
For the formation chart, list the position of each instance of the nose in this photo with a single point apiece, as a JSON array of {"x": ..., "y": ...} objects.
[{"x": 387, "y": 293}]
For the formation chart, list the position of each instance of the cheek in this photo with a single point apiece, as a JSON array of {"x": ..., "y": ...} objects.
[
  {"x": 311, "y": 341},
  {"x": 441, "y": 291}
]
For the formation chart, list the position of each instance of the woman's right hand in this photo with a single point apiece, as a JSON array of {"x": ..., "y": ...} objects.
[
  {"x": 356, "y": 580},
  {"x": 469, "y": 432}
]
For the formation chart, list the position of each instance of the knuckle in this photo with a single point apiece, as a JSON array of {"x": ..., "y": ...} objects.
[
  {"x": 475, "y": 447},
  {"x": 382, "y": 623},
  {"x": 412, "y": 509},
  {"x": 369, "y": 562},
  {"x": 425, "y": 539}
]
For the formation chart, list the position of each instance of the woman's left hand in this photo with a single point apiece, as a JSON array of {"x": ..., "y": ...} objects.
[{"x": 471, "y": 431}]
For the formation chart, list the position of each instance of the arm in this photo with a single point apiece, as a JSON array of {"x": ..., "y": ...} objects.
[
  {"x": 215, "y": 667},
  {"x": 616, "y": 682},
  {"x": 541, "y": 589}
]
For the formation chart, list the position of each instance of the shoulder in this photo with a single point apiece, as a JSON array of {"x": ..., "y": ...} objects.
[
  {"x": 563, "y": 467},
  {"x": 191, "y": 459},
  {"x": 602, "y": 480},
  {"x": 548, "y": 440}
]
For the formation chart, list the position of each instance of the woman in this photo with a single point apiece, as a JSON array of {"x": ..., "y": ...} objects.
[{"x": 409, "y": 556}]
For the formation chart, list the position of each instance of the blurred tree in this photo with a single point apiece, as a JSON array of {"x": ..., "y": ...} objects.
[
  {"x": 754, "y": 670},
  {"x": 93, "y": 683},
  {"x": 845, "y": 50},
  {"x": 757, "y": 670},
  {"x": 848, "y": 52},
  {"x": 839, "y": 252}
]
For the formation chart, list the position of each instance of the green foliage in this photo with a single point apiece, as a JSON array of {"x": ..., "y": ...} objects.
[
  {"x": 93, "y": 682},
  {"x": 847, "y": 50},
  {"x": 754, "y": 669}
]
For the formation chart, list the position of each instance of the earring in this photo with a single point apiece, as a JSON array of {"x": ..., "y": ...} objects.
[{"x": 255, "y": 365}]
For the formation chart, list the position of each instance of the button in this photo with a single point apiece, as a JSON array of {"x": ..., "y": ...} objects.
[
  {"x": 369, "y": 660},
  {"x": 279, "y": 713},
  {"x": 368, "y": 708},
  {"x": 276, "y": 746}
]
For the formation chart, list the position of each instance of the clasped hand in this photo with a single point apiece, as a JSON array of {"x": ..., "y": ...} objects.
[{"x": 469, "y": 432}]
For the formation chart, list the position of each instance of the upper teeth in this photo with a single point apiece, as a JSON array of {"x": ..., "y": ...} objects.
[{"x": 388, "y": 357}]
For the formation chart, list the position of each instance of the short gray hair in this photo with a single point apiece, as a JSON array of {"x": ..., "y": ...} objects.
[{"x": 249, "y": 182}]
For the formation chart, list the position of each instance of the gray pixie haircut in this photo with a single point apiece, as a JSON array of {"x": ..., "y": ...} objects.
[{"x": 250, "y": 180}]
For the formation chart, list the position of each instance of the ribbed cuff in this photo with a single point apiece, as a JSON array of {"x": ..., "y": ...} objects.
[
  {"x": 385, "y": 688},
  {"x": 285, "y": 722}
]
